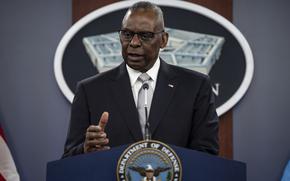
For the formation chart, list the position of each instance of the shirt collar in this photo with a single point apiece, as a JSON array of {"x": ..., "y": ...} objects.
[{"x": 153, "y": 72}]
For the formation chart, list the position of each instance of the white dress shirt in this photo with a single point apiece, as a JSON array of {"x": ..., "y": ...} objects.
[{"x": 134, "y": 74}]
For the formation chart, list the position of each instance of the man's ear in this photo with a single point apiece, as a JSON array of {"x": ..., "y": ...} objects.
[{"x": 164, "y": 40}]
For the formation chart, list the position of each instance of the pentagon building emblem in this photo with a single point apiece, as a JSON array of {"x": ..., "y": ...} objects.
[
  {"x": 149, "y": 160},
  {"x": 190, "y": 50},
  {"x": 208, "y": 43}
]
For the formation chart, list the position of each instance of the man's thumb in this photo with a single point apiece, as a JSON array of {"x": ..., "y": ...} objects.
[{"x": 104, "y": 120}]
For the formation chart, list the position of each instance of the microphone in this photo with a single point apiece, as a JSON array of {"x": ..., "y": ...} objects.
[{"x": 145, "y": 86}]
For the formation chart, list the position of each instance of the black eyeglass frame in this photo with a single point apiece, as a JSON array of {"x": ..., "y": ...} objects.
[{"x": 141, "y": 35}]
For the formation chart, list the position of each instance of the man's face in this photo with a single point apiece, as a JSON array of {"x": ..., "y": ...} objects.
[{"x": 141, "y": 53}]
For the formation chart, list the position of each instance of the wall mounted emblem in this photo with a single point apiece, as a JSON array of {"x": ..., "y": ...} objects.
[{"x": 203, "y": 41}]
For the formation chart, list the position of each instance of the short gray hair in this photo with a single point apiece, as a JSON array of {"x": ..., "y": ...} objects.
[{"x": 146, "y": 5}]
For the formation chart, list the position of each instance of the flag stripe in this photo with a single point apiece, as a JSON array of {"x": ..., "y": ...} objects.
[
  {"x": 2, "y": 133},
  {"x": 1, "y": 178},
  {"x": 8, "y": 170}
]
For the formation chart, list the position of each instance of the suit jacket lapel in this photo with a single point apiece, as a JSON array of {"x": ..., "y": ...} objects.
[
  {"x": 123, "y": 95},
  {"x": 164, "y": 90}
]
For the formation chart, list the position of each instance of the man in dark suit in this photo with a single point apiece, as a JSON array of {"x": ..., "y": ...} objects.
[{"x": 182, "y": 110}]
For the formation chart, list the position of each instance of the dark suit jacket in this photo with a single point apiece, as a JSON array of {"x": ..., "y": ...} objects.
[{"x": 183, "y": 115}]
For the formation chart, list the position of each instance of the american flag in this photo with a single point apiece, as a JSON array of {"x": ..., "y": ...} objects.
[{"x": 8, "y": 170}]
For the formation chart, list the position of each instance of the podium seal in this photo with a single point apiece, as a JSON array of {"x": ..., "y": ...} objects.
[{"x": 149, "y": 161}]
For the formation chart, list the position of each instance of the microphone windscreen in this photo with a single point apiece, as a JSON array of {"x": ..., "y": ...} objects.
[{"x": 145, "y": 86}]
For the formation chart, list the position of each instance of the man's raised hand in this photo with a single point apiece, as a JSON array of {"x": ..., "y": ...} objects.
[{"x": 96, "y": 137}]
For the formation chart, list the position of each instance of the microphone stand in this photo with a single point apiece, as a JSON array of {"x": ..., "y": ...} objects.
[{"x": 147, "y": 136}]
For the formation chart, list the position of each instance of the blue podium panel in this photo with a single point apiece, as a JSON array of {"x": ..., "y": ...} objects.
[
  {"x": 198, "y": 166},
  {"x": 95, "y": 166},
  {"x": 102, "y": 165}
]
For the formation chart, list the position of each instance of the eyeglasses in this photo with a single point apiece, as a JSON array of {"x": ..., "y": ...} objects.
[{"x": 145, "y": 36}]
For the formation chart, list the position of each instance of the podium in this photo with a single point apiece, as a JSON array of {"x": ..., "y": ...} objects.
[{"x": 196, "y": 166}]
